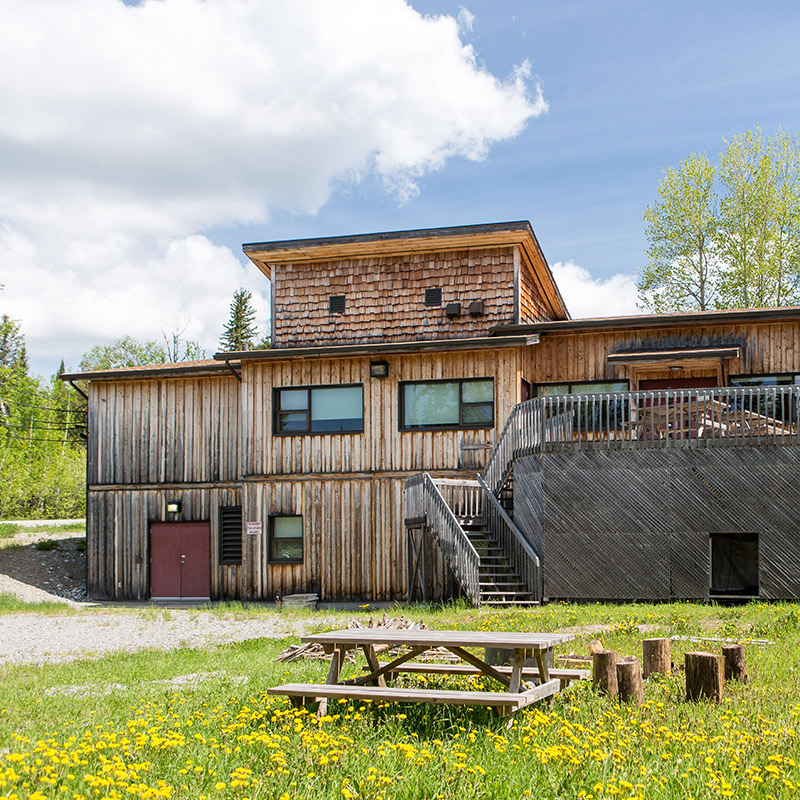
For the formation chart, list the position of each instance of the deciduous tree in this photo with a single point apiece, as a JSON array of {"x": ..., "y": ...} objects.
[
  {"x": 681, "y": 231},
  {"x": 727, "y": 237}
]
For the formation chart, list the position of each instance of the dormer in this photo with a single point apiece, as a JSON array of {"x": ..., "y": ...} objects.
[{"x": 441, "y": 283}]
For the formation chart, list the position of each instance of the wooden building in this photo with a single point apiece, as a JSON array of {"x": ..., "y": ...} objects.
[{"x": 431, "y": 421}]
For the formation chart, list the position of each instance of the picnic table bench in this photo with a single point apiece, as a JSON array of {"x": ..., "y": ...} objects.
[{"x": 372, "y": 685}]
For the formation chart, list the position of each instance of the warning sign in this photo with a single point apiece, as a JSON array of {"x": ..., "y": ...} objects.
[{"x": 254, "y": 529}]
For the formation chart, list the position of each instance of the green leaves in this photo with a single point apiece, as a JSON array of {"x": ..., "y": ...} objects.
[{"x": 727, "y": 237}]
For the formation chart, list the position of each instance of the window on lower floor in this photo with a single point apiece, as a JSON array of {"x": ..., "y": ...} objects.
[
  {"x": 467, "y": 403},
  {"x": 319, "y": 409},
  {"x": 286, "y": 539},
  {"x": 230, "y": 535}
]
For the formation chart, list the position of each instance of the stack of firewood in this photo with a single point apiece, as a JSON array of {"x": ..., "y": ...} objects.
[{"x": 315, "y": 650}]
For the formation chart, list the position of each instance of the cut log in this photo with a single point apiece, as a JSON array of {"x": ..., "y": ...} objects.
[
  {"x": 705, "y": 676},
  {"x": 604, "y": 672},
  {"x": 629, "y": 680},
  {"x": 735, "y": 669},
  {"x": 656, "y": 656}
]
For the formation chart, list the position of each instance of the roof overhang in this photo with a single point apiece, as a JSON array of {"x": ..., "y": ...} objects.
[
  {"x": 149, "y": 372},
  {"x": 426, "y": 240},
  {"x": 381, "y": 348},
  {"x": 660, "y": 321},
  {"x": 676, "y": 356}
]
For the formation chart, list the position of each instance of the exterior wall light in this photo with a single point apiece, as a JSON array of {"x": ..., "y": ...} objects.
[
  {"x": 379, "y": 369},
  {"x": 174, "y": 506}
]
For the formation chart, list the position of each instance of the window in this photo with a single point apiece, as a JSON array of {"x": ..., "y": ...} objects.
[
  {"x": 319, "y": 409},
  {"x": 336, "y": 304},
  {"x": 230, "y": 535},
  {"x": 447, "y": 404},
  {"x": 779, "y": 405},
  {"x": 581, "y": 387},
  {"x": 588, "y": 413},
  {"x": 285, "y": 539},
  {"x": 433, "y": 297}
]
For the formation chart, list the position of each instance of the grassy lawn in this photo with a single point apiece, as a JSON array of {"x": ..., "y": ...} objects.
[{"x": 194, "y": 723}]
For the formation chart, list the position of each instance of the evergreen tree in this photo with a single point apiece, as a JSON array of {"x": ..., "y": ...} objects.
[{"x": 240, "y": 333}]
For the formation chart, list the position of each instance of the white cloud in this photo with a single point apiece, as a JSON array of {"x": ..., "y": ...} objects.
[
  {"x": 466, "y": 19},
  {"x": 127, "y": 130},
  {"x": 586, "y": 296}
]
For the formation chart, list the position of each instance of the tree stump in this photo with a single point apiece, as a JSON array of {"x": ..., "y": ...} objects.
[
  {"x": 629, "y": 680},
  {"x": 604, "y": 672},
  {"x": 705, "y": 676},
  {"x": 656, "y": 656},
  {"x": 735, "y": 669}
]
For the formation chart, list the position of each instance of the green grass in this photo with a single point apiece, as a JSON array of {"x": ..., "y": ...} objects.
[
  {"x": 11, "y": 604},
  {"x": 9, "y": 529},
  {"x": 124, "y": 732}
]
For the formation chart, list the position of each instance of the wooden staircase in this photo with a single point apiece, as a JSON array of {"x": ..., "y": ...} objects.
[{"x": 500, "y": 584}]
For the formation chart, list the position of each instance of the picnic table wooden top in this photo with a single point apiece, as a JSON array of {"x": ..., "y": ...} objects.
[{"x": 435, "y": 638}]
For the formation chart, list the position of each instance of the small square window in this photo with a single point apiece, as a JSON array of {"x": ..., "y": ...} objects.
[
  {"x": 433, "y": 297},
  {"x": 336, "y": 304},
  {"x": 286, "y": 539}
]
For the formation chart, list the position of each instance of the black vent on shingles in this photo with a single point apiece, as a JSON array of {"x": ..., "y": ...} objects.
[
  {"x": 433, "y": 297},
  {"x": 336, "y": 304},
  {"x": 230, "y": 535}
]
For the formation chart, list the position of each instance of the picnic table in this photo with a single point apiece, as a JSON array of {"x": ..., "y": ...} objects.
[{"x": 526, "y": 683}]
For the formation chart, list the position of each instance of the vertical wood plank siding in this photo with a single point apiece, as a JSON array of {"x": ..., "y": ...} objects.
[
  {"x": 384, "y": 297},
  {"x": 117, "y": 551},
  {"x": 581, "y": 356},
  {"x": 382, "y": 447},
  {"x": 163, "y": 431}
]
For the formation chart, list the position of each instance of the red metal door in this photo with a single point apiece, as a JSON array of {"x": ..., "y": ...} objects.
[
  {"x": 196, "y": 560},
  {"x": 180, "y": 560}
]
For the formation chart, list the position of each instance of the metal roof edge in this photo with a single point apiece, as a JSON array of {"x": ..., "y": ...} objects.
[
  {"x": 388, "y": 236},
  {"x": 651, "y": 321},
  {"x": 286, "y": 353}
]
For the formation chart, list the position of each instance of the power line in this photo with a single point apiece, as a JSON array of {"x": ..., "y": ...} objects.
[{"x": 76, "y": 410}]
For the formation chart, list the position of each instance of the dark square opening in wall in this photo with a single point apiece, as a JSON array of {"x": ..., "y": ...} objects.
[
  {"x": 336, "y": 304},
  {"x": 230, "y": 535},
  {"x": 433, "y": 297},
  {"x": 734, "y": 565}
]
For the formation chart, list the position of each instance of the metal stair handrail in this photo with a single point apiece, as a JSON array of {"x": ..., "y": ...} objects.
[
  {"x": 527, "y": 562},
  {"x": 425, "y": 504}
]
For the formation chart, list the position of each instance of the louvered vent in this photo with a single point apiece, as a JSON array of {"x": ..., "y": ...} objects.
[
  {"x": 433, "y": 297},
  {"x": 230, "y": 534},
  {"x": 336, "y": 304}
]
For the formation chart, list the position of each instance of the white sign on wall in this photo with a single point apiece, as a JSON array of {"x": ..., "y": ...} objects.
[{"x": 254, "y": 528}]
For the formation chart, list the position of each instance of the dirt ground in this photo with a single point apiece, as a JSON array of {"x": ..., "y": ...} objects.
[{"x": 31, "y": 574}]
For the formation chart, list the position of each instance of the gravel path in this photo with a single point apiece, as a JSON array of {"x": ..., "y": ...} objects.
[{"x": 39, "y": 638}]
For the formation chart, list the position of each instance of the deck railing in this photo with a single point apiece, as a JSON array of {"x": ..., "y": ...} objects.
[
  {"x": 727, "y": 417},
  {"x": 424, "y": 504},
  {"x": 520, "y": 552}
]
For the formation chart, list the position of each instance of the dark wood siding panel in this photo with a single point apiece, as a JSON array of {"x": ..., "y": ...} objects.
[
  {"x": 385, "y": 297},
  {"x": 168, "y": 431},
  {"x": 382, "y": 446}
]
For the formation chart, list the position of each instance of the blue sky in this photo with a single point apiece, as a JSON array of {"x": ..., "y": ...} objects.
[{"x": 149, "y": 143}]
